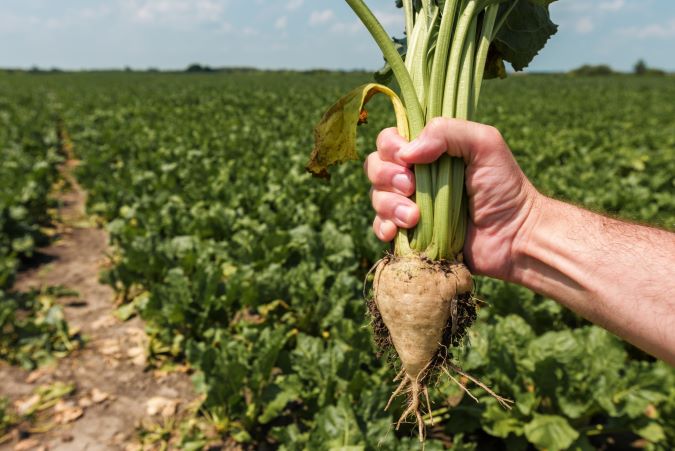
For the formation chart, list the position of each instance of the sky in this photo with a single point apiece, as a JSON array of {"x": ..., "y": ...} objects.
[{"x": 294, "y": 34}]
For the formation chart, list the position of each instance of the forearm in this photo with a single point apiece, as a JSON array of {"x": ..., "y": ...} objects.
[{"x": 618, "y": 275}]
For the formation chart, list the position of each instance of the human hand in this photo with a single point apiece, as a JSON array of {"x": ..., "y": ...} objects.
[{"x": 501, "y": 198}]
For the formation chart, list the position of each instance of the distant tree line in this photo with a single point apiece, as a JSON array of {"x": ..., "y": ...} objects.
[{"x": 640, "y": 68}]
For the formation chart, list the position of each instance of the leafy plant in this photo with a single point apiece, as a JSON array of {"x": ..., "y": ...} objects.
[
  {"x": 33, "y": 328},
  {"x": 220, "y": 234},
  {"x": 422, "y": 303}
]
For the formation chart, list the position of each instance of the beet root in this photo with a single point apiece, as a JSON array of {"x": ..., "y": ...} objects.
[{"x": 422, "y": 308}]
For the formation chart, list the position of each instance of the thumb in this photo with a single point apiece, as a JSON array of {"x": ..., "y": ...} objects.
[
  {"x": 422, "y": 150},
  {"x": 457, "y": 137}
]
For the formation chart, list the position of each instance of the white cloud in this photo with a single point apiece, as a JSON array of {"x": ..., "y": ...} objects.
[
  {"x": 95, "y": 12},
  {"x": 321, "y": 17},
  {"x": 574, "y": 6},
  {"x": 660, "y": 31},
  {"x": 281, "y": 23},
  {"x": 249, "y": 31},
  {"x": 175, "y": 12},
  {"x": 294, "y": 4},
  {"x": 585, "y": 6},
  {"x": 347, "y": 27},
  {"x": 611, "y": 5},
  {"x": 584, "y": 25},
  {"x": 226, "y": 27},
  {"x": 11, "y": 23}
]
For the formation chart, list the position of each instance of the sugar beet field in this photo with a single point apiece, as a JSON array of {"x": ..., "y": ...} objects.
[{"x": 246, "y": 274}]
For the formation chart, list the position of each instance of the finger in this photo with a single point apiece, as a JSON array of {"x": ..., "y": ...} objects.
[
  {"x": 388, "y": 176},
  {"x": 389, "y": 143},
  {"x": 385, "y": 230},
  {"x": 457, "y": 137},
  {"x": 394, "y": 207}
]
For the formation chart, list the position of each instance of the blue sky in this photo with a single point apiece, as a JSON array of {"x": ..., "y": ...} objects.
[{"x": 296, "y": 34}]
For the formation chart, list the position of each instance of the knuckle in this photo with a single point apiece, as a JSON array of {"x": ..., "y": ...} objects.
[
  {"x": 490, "y": 134},
  {"x": 370, "y": 166},
  {"x": 382, "y": 202},
  {"x": 437, "y": 124},
  {"x": 383, "y": 138}
]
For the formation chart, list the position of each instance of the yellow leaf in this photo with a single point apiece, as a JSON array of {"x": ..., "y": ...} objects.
[{"x": 335, "y": 134}]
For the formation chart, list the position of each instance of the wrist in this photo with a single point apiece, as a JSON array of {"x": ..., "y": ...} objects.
[{"x": 523, "y": 246}]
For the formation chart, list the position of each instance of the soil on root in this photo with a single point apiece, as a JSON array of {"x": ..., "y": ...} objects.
[{"x": 463, "y": 313}]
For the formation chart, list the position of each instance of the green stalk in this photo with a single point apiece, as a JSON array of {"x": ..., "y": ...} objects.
[
  {"x": 384, "y": 42},
  {"x": 416, "y": 57},
  {"x": 441, "y": 235},
  {"x": 426, "y": 7},
  {"x": 481, "y": 56},
  {"x": 456, "y": 53},
  {"x": 459, "y": 235},
  {"x": 463, "y": 108},
  {"x": 449, "y": 184},
  {"x": 437, "y": 79},
  {"x": 409, "y": 20},
  {"x": 423, "y": 196}
]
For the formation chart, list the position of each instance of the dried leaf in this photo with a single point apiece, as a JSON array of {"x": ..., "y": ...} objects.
[
  {"x": 27, "y": 406},
  {"x": 163, "y": 406},
  {"x": 98, "y": 396},
  {"x": 335, "y": 134}
]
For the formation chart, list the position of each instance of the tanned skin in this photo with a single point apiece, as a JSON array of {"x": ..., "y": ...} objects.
[{"x": 616, "y": 274}]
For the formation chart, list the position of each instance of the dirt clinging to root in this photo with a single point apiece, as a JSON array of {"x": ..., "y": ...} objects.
[
  {"x": 430, "y": 306},
  {"x": 454, "y": 332}
]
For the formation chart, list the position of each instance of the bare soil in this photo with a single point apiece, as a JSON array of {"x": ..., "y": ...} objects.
[{"x": 114, "y": 389}]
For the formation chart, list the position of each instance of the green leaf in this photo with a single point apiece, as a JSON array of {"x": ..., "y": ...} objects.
[
  {"x": 286, "y": 390},
  {"x": 524, "y": 33},
  {"x": 500, "y": 422},
  {"x": 335, "y": 134},
  {"x": 337, "y": 427},
  {"x": 125, "y": 311},
  {"x": 551, "y": 432},
  {"x": 652, "y": 432}
]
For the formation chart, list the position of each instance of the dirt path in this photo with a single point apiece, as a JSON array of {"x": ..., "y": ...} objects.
[{"x": 113, "y": 390}]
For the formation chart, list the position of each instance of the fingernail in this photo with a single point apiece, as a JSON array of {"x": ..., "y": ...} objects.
[
  {"x": 402, "y": 182},
  {"x": 382, "y": 231},
  {"x": 403, "y": 213}
]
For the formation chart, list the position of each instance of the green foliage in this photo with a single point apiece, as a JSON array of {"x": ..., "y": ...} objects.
[
  {"x": 253, "y": 271},
  {"x": 7, "y": 417},
  {"x": 641, "y": 68},
  {"x": 588, "y": 70},
  {"x": 525, "y": 32},
  {"x": 28, "y": 170},
  {"x": 32, "y": 328}
]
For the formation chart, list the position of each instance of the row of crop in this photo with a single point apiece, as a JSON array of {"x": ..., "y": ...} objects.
[
  {"x": 252, "y": 271},
  {"x": 32, "y": 327}
]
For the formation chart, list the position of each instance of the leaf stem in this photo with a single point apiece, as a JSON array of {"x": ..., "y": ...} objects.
[
  {"x": 482, "y": 53},
  {"x": 456, "y": 53},
  {"x": 409, "y": 17},
  {"x": 384, "y": 42},
  {"x": 423, "y": 196},
  {"x": 440, "y": 63}
]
